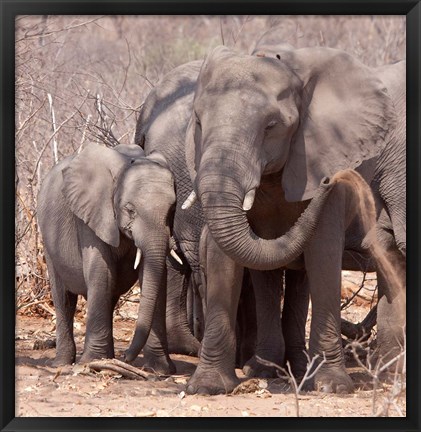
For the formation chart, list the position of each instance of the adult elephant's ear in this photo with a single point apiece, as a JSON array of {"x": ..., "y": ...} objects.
[
  {"x": 346, "y": 116},
  {"x": 88, "y": 187}
]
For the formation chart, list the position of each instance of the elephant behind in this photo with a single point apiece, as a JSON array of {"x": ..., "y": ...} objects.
[
  {"x": 264, "y": 132},
  {"x": 161, "y": 127},
  {"x": 387, "y": 175},
  {"x": 105, "y": 215}
]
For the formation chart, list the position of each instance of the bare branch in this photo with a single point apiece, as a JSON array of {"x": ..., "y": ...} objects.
[
  {"x": 31, "y": 179},
  {"x": 51, "y": 32},
  {"x": 53, "y": 122}
]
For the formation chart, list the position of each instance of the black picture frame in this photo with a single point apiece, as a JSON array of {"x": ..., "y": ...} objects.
[{"x": 8, "y": 10}]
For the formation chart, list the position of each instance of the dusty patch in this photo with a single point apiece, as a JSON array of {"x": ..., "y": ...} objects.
[{"x": 42, "y": 390}]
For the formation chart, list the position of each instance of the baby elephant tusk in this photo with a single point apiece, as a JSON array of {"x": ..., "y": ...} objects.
[
  {"x": 138, "y": 257},
  {"x": 175, "y": 256},
  {"x": 249, "y": 200},
  {"x": 191, "y": 199}
]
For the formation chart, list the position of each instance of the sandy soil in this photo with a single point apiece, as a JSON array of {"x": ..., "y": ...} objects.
[{"x": 42, "y": 390}]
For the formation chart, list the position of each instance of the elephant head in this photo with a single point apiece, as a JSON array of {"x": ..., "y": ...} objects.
[
  {"x": 304, "y": 114},
  {"x": 118, "y": 192}
]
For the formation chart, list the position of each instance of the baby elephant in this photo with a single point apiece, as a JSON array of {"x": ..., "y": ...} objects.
[{"x": 101, "y": 214}]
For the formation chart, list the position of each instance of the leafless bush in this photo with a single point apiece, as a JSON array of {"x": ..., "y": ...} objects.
[
  {"x": 385, "y": 396},
  {"x": 313, "y": 366},
  {"x": 83, "y": 78}
]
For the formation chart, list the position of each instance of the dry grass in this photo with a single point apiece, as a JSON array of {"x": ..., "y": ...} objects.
[{"x": 82, "y": 78}]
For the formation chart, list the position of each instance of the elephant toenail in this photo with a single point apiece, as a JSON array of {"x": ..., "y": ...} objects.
[
  {"x": 190, "y": 389},
  {"x": 341, "y": 389},
  {"x": 326, "y": 388}
]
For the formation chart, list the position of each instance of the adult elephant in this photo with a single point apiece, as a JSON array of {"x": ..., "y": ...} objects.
[
  {"x": 103, "y": 213},
  {"x": 388, "y": 185},
  {"x": 263, "y": 133},
  {"x": 161, "y": 127}
]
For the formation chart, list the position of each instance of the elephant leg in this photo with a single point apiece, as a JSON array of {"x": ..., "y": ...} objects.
[
  {"x": 391, "y": 317},
  {"x": 180, "y": 337},
  {"x": 294, "y": 318},
  {"x": 155, "y": 351},
  {"x": 270, "y": 344},
  {"x": 198, "y": 312},
  {"x": 246, "y": 329},
  {"x": 323, "y": 262},
  {"x": 65, "y": 307},
  {"x": 99, "y": 342},
  {"x": 190, "y": 307},
  {"x": 99, "y": 274},
  {"x": 215, "y": 372}
]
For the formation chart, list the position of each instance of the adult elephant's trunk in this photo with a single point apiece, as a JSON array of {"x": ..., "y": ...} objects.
[
  {"x": 222, "y": 199},
  {"x": 153, "y": 285}
]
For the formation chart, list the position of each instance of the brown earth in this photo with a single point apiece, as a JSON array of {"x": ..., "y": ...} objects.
[{"x": 42, "y": 390}]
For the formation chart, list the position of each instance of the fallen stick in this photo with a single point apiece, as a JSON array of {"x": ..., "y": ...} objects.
[{"x": 122, "y": 368}]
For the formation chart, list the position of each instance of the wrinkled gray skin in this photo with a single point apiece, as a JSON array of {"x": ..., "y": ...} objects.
[
  {"x": 389, "y": 189},
  {"x": 162, "y": 127},
  {"x": 277, "y": 126},
  {"x": 389, "y": 186},
  {"x": 94, "y": 210}
]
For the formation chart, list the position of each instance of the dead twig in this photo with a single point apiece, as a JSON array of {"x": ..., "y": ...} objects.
[
  {"x": 121, "y": 368},
  {"x": 311, "y": 371}
]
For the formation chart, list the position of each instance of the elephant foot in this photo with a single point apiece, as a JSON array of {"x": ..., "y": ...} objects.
[
  {"x": 298, "y": 362},
  {"x": 254, "y": 368},
  {"x": 211, "y": 381},
  {"x": 89, "y": 356},
  {"x": 331, "y": 380},
  {"x": 65, "y": 354},
  {"x": 159, "y": 364},
  {"x": 63, "y": 360},
  {"x": 185, "y": 344},
  {"x": 394, "y": 358}
]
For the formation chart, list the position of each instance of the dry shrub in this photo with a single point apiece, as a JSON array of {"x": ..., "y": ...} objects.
[{"x": 83, "y": 78}]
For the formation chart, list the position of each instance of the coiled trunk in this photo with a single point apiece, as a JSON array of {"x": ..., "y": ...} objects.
[{"x": 222, "y": 201}]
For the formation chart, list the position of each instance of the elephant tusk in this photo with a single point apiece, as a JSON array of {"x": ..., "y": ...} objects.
[
  {"x": 138, "y": 257},
  {"x": 249, "y": 200},
  {"x": 175, "y": 256},
  {"x": 191, "y": 199}
]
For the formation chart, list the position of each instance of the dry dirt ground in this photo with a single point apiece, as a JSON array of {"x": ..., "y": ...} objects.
[{"x": 77, "y": 391}]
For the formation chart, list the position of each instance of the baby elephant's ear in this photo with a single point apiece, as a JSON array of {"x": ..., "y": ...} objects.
[
  {"x": 158, "y": 158},
  {"x": 132, "y": 151},
  {"x": 88, "y": 187}
]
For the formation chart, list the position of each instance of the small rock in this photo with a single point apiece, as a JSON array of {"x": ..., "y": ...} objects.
[
  {"x": 196, "y": 408},
  {"x": 263, "y": 384},
  {"x": 180, "y": 380},
  {"x": 146, "y": 414},
  {"x": 249, "y": 386}
]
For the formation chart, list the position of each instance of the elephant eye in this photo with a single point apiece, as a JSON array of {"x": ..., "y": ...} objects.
[
  {"x": 130, "y": 209},
  {"x": 271, "y": 124},
  {"x": 197, "y": 120}
]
